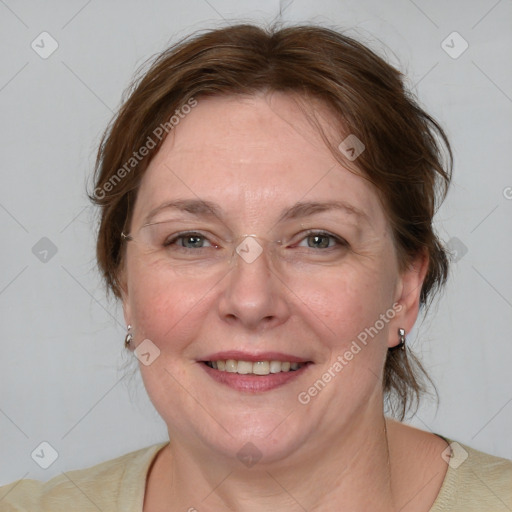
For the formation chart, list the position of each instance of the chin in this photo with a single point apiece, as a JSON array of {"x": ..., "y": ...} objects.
[{"x": 264, "y": 440}]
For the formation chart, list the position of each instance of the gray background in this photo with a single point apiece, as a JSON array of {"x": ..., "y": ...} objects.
[{"x": 64, "y": 377}]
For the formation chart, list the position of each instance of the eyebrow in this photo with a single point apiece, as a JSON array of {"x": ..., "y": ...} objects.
[
  {"x": 305, "y": 209},
  {"x": 203, "y": 208},
  {"x": 194, "y": 206}
]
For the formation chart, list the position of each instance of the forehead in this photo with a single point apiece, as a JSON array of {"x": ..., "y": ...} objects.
[{"x": 252, "y": 154}]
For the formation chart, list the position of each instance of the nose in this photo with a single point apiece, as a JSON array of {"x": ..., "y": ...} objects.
[{"x": 254, "y": 297}]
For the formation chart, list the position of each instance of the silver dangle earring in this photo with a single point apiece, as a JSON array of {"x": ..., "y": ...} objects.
[
  {"x": 401, "y": 337},
  {"x": 129, "y": 337}
]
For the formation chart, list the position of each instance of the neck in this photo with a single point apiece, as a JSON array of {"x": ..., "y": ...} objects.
[{"x": 348, "y": 470}]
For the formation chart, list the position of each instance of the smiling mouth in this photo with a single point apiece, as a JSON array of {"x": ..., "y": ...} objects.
[{"x": 255, "y": 368}]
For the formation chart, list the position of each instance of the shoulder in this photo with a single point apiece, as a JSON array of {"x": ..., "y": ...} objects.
[
  {"x": 116, "y": 484},
  {"x": 475, "y": 481}
]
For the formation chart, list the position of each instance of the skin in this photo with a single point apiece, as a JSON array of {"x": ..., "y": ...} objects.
[{"x": 255, "y": 157}]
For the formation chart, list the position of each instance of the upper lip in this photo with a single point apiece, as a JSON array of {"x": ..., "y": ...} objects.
[{"x": 238, "y": 355}]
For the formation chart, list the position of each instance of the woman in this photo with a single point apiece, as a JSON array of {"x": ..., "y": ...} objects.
[{"x": 266, "y": 220}]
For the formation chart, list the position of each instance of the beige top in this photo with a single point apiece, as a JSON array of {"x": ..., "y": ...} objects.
[{"x": 478, "y": 483}]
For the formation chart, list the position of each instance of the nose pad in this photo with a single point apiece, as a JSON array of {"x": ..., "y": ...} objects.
[{"x": 249, "y": 249}]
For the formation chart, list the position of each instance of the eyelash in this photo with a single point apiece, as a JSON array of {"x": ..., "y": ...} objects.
[
  {"x": 183, "y": 235},
  {"x": 338, "y": 241}
]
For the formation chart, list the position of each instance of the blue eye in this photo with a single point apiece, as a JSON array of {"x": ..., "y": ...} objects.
[
  {"x": 192, "y": 241},
  {"x": 321, "y": 240},
  {"x": 189, "y": 241}
]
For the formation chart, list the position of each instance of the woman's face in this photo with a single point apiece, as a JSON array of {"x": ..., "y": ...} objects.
[{"x": 317, "y": 284}]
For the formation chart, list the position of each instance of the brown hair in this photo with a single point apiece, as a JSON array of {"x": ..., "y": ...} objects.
[{"x": 404, "y": 156}]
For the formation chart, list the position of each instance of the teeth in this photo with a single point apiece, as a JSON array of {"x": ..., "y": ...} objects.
[
  {"x": 257, "y": 368},
  {"x": 275, "y": 366},
  {"x": 231, "y": 366},
  {"x": 261, "y": 368},
  {"x": 244, "y": 367}
]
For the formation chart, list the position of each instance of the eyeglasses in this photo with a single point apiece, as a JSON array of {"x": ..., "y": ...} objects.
[{"x": 167, "y": 241}]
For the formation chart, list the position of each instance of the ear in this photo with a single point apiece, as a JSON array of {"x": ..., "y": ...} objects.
[
  {"x": 123, "y": 295},
  {"x": 127, "y": 313},
  {"x": 407, "y": 296}
]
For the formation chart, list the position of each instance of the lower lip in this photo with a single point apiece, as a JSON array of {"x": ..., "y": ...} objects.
[{"x": 253, "y": 383}]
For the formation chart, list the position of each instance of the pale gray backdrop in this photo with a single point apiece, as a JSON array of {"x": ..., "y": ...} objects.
[{"x": 62, "y": 362}]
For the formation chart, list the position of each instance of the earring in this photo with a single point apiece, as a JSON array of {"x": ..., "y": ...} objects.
[
  {"x": 401, "y": 338},
  {"x": 128, "y": 338}
]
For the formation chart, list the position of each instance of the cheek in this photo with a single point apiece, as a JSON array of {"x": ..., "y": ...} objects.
[
  {"x": 347, "y": 300},
  {"x": 168, "y": 311},
  {"x": 350, "y": 314},
  {"x": 350, "y": 317},
  {"x": 164, "y": 306}
]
